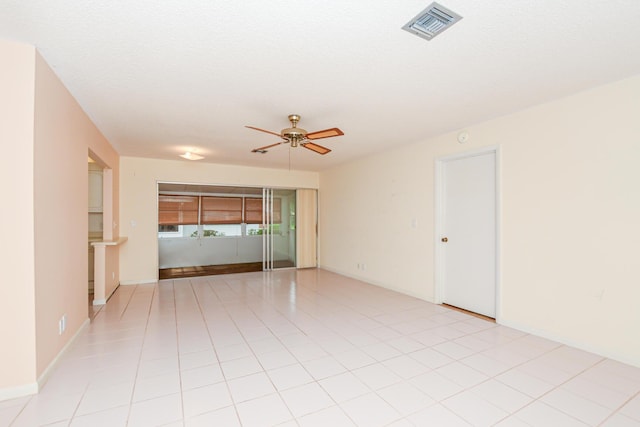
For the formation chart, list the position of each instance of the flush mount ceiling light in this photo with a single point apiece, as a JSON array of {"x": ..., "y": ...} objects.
[
  {"x": 432, "y": 21},
  {"x": 191, "y": 156}
]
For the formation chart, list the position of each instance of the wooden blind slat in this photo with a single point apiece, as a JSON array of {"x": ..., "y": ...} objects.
[
  {"x": 221, "y": 210},
  {"x": 183, "y": 210},
  {"x": 177, "y": 210},
  {"x": 253, "y": 211}
]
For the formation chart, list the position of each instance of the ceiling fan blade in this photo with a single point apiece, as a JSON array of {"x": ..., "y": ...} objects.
[
  {"x": 315, "y": 147},
  {"x": 264, "y": 149},
  {"x": 263, "y": 130},
  {"x": 327, "y": 133}
]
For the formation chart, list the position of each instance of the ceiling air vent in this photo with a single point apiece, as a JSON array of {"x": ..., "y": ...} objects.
[{"x": 432, "y": 21}]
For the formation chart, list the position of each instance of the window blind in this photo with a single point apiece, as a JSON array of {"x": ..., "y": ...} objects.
[
  {"x": 221, "y": 210},
  {"x": 177, "y": 210}
]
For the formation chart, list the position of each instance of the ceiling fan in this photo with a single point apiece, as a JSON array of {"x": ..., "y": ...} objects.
[{"x": 298, "y": 136}]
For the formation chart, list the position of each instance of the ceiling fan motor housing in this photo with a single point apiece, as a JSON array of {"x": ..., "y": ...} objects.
[{"x": 294, "y": 134}]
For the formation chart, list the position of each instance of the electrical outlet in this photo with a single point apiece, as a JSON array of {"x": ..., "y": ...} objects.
[
  {"x": 364, "y": 266},
  {"x": 62, "y": 324}
]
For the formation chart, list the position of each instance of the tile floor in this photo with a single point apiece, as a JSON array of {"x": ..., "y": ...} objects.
[{"x": 312, "y": 348}]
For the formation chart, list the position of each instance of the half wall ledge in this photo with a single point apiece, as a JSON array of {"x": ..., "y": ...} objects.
[{"x": 100, "y": 269}]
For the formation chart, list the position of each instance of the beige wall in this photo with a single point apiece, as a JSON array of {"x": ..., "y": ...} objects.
[
  {"x": 570, "y": 207},
  {"x": 17, "y": 308},
  {"x": 49, "y": 137},
  {"x": 139, "y": 211}
]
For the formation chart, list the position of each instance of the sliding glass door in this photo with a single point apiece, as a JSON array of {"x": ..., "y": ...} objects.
[
  {"x": 212, "y": 229},
  {"x": 279, "y": 228}
]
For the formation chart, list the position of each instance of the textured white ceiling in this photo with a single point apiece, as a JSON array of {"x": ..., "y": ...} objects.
[{"x": 159, "y": 77}]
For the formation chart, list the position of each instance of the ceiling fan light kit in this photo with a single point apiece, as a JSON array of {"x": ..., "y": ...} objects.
[{"x": 296, "y": 136}]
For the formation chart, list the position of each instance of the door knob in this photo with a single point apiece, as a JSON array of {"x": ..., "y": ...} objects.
[{"x": 444, "y": 239}]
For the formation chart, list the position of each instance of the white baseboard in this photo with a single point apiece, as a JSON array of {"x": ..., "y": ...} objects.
[
  {"x": 137, "y": 282},
  {"x": 378, "y": 284},
  {"x": 566, "y": 341},
  {"x": 33, "y": 388},
  {"x": 19, "y": 391},
  {"x": 42, "y": 379}
]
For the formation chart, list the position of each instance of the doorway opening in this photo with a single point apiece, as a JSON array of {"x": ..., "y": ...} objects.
[{"x": 212, "y": 229}]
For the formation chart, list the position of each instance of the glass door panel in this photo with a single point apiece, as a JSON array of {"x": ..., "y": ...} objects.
[{"x": 279, "y": 228}]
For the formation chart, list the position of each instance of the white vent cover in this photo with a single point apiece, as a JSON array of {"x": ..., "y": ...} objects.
[{"x": 432, "y": 21}]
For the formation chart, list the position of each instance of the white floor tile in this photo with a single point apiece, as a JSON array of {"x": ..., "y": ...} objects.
[
  {"x": 232, "y": 352},
  {"x": 276, "y": 359},
  {"x": 354, "y": 359},
  {"x": 461, "y": 374},
  {"x": 114, "y": 417},
  {"x": 619, "y": 420},
  {"x": 485, "y": 364},
  {"x": 48, "y": 409},
  {"x": 436, "y": 386},
  {"x": 370, "y": 410},
  {"x": 333, "y": 416},
  {"x": 158, "y": 411},
  {"x": 226, "y": 417},
  {"x": 539, "y": 414},
  {"x": 405, "y": 398},
  {"x": 578, "y": 407},
  {"x": 240, "y": 367},
  {"x": 324, "y": 367},
  {"x": 376, "y": 376},
  {"x": 431, "y": 358},
  {"x": 405, "y": 367},
  {"x": 632, "y": 408},
  {"x": 344, "y": 387},
  {"x": 205, "y": 399},
  {"x": 474, "y": 410},
  {"x": 155, "y": 367},
  {"x": 289, "y": 376},
  {"x": 9, "y": 409},
  {"x": 100, "y": 398},
  {"x": 524, "y": 382},
  {"x": 381, "y": 351},
  {"x": 197, "y": 359},
  {"x": 589, "y": 390},
  {"x": 306, "y": 399},
  {"x": 264, "y": 411},
  {"x": 250, "y": 387},
  {"x": 160, "y": 385},
  {"x": 501, "y": 395},
  {"x": 199, "y": 377},
  {"x": 341, "y": 353},
  {"x": 437, "y": 415}
]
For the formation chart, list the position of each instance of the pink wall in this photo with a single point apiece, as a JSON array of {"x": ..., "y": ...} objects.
[
  {"x": 47, "y": 138},
  {"x": 63, "y": 137},
  {"x": 17, "y": 308}
]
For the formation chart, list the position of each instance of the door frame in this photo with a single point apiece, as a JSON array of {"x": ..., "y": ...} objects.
[{"x": 439, "y": 261}]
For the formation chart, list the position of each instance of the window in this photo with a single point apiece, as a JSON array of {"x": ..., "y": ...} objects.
[
  {"x": 253, "y": 211},
  {"x": 165, "y": 231},
  {"x": 213, "y": 216},
  {"x": 221, "y": 230},
  {"x": 177, "y": 210},
  {"x": 221, "y": 210}
]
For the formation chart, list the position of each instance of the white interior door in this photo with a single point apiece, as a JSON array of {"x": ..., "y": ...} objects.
[{"x": 468, "y": 233}]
